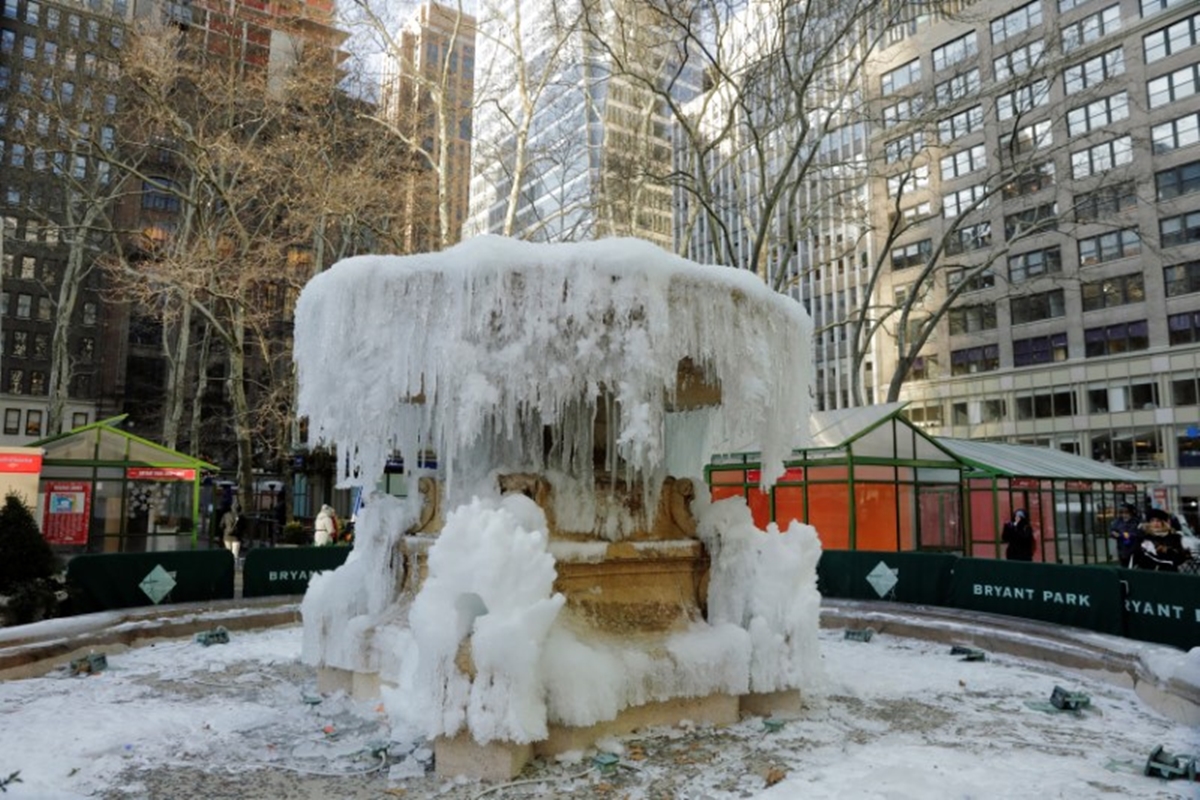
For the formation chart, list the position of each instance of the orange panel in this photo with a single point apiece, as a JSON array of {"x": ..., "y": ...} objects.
[
  {"x": 875, "y": 507},
  {"x": 727, "y": 476},
  {"x": 829, "y": 513},
  {"x": 725, "y": 492},
  {"x": 789, "y": 505},
  {"x": 760, "y": 507}
]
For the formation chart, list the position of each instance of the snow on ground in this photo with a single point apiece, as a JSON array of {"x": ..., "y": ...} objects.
[{"x": 899, "y": 719}]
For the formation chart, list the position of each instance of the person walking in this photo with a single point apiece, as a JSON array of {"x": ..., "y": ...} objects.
[
  {"x": 229, "y": 530},
  {"x": 1018, "y": 535},
  {"x": 1161, "y": 548},
  {"x": 1126, "y": 529},
  {"x": 326, "y": 526}
]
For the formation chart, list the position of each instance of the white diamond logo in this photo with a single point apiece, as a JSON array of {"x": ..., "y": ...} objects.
[
  {"x": 883, "y": 578},
  {"x": 157, "y": 584}
]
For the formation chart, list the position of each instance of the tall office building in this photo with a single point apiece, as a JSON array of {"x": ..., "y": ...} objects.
[
  {"x": 60, "y": 108},
  {"x": 58, "y": 92},
  {"x": 1045, "y": 154},
  {"x": 428, "y": 88},
  {"x": 564, "y": 143}
]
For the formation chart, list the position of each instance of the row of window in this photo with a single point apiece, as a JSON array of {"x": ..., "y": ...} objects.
[
  {"x": 20, "y": 381},
  {"x": 25, "y": 308},
  {"x": 24, "y": 344},
  {"x": 33, "y": 421}
]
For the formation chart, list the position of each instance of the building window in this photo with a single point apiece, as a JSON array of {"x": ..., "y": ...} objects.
[
  {"x": 960, "y": 86},
  {"x": 158, "y": 194},
  {"x": 1027, "y": 139},
  {"x": 1106, "y": 201},
  {"x": 1029, "y": 181},
  {"x": 1181, "y": 279},
  {"x": 970, "y": 319},
  {"x": 964, "y": 162},
  {"x": 971, "y": 360},
  {"x": 1151, "y": 7},
  {"x": 79, "y": 419},
  {"x": 41, "y": 345},
  {"x": 1111, "y": 292},
  {"x": 1129, "y": 449},
  {"x": 1172, "y": 39},
  {"x": 20, "y": 344},
  {"x": 977, "y": 282},
  {"x": 904, "y": 148},
  {"x": 45, "y": 311},
  {"x": 1091, "y": 28},
  {"x": 37, "y": 384},
  {"x": 1030, "y": 221},
  {"x": 925, "y": 414},
  {"x": 1185, "y": 392},
  {"x": 1173, "y": 231},
  {"x": 1095, "y": 71},
  {"x": 993, "y": 410},
  {"x": 909, "y": 181},
  {"x": 16, "y": 381},
  {"x": 1113, "y": 398},
  {"x": 89, "y": 313},
  {"x": 1019, "y": 61},
  {"x": 953, "y": 52},
  {"x": 1046, "y": 405},
  {"x": 24, "y": 306},
  {"x": 1101, "y": 158},
  {"x": 1098, "y": 114},
  {"x": 1173, "y": 86},
  {"x": 1037, "y": 307},
  {"x": 1177, "y": 181},
  {"x": 903, "y": 110},
  {"x": 1017, "y": 22},
  {"x": 964, "y": 200},
  {"x": 87, "y": 350},
  {"x": 33, "y": 422},
  {"x": 924, "y": 368},
  {"x": 12, "y": 421},
  {"x": 1125, "y": 337},
  {"x": 1109, "y": 246},
  {"x": 1034, "y": 264},
  {"x": 1176, "y": 133},
  {"x": 901, "y": 76},
  {"x": 1022, "y": 100},
  {"x": 912, "y": 255},
  {"x": 1187, "y": 447},
  {"x": 1039, "y": 350},
  {"x": 970, "y": 237},
  {"x": 1184, "y": 328},
  {"x": 961, "y": 124}
]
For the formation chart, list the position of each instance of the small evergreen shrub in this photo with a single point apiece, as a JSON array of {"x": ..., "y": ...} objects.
[{"x": 28, "y": 591}]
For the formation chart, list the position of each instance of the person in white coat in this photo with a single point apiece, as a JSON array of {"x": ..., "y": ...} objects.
[{"x": 326, "y": 527}]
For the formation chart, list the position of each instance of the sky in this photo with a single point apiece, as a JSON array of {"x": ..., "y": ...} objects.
[{"x": 892, "y": 719}]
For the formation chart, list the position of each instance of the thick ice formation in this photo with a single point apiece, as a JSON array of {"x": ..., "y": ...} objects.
[
  {"x": 505, "y": 357},
  {"x": 471, "y": 351}
]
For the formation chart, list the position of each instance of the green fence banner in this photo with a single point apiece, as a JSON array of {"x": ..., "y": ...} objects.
[
  {"x": 286, "y": 570},
  {"x": 104, "y": 581},
  {"x": 922, "y": 578},
  {"x": 1083, "y": 597},
  {"x": 1161, "y": 607}
]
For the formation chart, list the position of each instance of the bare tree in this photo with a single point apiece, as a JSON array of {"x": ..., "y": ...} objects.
[{"x": 262, "y": 180}]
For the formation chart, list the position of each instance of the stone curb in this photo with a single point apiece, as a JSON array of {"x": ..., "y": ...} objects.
[
  {"x": 1111, "y": 658},
  {"x": 26, "y": 656}
]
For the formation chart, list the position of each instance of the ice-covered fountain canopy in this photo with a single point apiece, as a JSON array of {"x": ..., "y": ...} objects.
[
  {"x": 500, "y": 353},
  {"x": 592, "y": 378}
]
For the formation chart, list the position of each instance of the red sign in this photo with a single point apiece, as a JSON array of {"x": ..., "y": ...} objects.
[
  {"x": 1024, "y": 483},
  {"x": 25, "y": 463},
  {"x": 160, "y": 474},
  {"x": 1124, "y": 487},
  {"x": 1079, "y": 486},
  {"x": 67, "y": 512}
]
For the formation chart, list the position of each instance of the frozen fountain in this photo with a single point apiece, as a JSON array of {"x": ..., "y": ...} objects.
[{"x": 561, "y": 575}]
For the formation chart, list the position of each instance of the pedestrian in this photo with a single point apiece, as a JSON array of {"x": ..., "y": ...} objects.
[
  {"x": 1161, "y": 547},
  {"x": 326, "y": 527},
  {"x": 230, "y": 534},
  {"x": 1018, "y": 535},
  {"x": 1126, "y": 529}
]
